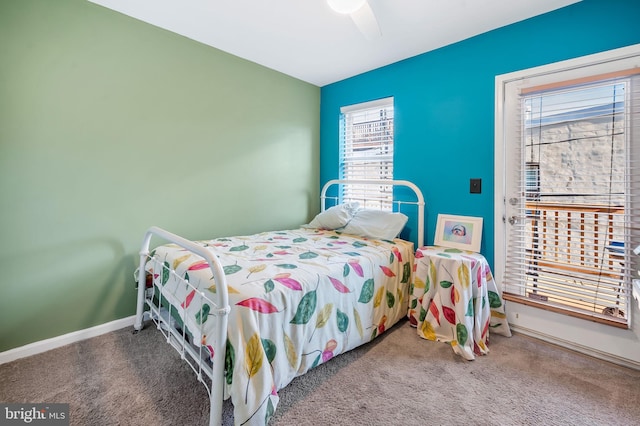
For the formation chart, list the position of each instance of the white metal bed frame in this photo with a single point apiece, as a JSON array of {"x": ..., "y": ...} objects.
[{"x": 211, "y": 374}]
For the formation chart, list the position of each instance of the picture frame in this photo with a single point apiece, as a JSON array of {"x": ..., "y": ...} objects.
[{"x": 461, "y": 232}]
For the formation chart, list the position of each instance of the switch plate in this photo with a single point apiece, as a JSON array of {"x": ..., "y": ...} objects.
[{"x": 475, "y": 186}]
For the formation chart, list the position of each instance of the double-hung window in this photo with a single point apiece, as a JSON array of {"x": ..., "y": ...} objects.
[{"x": 366, "y": 151}]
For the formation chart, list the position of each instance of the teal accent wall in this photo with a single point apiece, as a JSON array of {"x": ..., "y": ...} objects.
[
  {"x": 109, "y": 125},
  {"x": 445, "y": 101}
]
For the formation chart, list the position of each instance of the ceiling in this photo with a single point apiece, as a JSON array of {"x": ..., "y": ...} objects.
[{"x": 307, "y": 40}]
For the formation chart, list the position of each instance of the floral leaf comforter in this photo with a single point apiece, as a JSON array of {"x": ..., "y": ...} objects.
[{"x": 297, "y": 297}]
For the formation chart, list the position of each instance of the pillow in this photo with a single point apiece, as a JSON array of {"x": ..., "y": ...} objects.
[
  {"x": 376, "y": 224},
  {"x": 334, "y": 217}
]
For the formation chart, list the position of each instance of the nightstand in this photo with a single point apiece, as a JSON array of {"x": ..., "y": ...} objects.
[{"x": 454, "y": 299}]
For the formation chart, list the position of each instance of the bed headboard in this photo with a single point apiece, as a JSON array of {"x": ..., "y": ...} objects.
[{"x": 404, "y": 196}]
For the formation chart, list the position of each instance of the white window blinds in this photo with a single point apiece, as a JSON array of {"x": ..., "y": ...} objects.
[
  {"x": 579, "y": 214},
  {"x": 366, "y": 142}
]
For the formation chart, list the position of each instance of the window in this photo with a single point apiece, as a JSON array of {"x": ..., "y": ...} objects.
[
  {"x": 366, "y": 151},
  {"x": 572, "y": 182}
]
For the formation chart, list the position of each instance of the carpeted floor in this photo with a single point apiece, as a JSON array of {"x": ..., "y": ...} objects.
[{"x": 399, "y": 379}]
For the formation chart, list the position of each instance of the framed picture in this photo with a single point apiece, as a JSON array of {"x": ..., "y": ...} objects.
[{"x": 461, "y": 232}]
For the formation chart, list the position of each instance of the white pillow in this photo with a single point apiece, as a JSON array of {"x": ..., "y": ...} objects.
[
  {"x": 334, "y": 217},
  {"x": 376, "y": 224}
]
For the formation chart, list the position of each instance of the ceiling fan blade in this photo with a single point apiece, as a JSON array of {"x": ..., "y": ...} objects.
[{"x": 366, "y": 21}]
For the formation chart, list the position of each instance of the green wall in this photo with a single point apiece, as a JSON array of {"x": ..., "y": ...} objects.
[{"x": 109, "y": 125}]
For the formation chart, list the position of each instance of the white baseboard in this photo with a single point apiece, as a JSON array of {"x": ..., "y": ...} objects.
[
  {"x": 56, "y": 342},
  {"x": 577, "y": 348}
]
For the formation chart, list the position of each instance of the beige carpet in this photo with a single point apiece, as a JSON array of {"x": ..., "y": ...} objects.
[{"x": 399, "y": 379}]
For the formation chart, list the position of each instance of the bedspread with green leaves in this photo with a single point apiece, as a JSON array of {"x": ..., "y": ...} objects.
[{"x": 297, "y": 297}]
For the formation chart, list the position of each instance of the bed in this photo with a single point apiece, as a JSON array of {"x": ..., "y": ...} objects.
[{"x": 251, "y": 313}]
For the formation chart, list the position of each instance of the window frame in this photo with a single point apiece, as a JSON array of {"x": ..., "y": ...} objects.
[{"x": 362, "y": 166}]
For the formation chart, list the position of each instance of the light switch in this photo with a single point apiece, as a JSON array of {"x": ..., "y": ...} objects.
[{"x": 475, "y": 186}]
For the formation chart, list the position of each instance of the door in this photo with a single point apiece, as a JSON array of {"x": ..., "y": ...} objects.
[{"x": 565, "y": 195}]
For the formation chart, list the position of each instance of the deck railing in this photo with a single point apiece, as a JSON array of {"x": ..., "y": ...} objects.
[
  {"x": 576, "y": 237},
  {"x": 571, "y": 256}
]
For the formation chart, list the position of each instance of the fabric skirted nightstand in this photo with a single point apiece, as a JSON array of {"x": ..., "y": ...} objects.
[{"x": 454, "y": 299}]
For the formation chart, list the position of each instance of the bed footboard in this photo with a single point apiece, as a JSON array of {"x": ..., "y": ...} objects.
[{"x": 209, "y": 369}]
